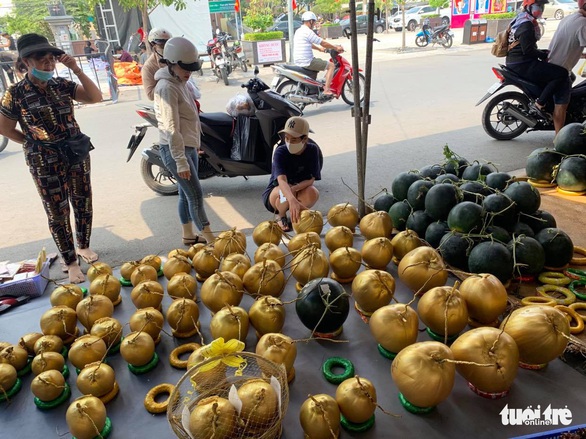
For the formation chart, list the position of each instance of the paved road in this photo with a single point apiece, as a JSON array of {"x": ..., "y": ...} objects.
[{"x": 421, "y": 100}]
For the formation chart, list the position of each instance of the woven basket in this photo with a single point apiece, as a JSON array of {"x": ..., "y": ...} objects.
[{"x": 197, "y": 385}]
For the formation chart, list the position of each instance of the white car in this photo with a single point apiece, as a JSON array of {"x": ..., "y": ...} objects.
[
  {"x": 558, "y": 9},
  {"x": 413, "y": 17}
]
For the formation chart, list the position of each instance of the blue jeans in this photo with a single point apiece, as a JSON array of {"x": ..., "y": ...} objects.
[{"x": 190, "y": 205}]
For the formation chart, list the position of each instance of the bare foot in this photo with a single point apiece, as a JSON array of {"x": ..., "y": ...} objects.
[
  {"x": 87, "y": 254},
  {"x": 75, "y": 274}
]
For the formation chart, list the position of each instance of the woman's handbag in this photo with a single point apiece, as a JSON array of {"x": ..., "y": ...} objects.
[{"x": 77, "y": 148}]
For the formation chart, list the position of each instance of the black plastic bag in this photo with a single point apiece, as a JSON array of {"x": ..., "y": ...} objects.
[{"x": 244, "y": 139}]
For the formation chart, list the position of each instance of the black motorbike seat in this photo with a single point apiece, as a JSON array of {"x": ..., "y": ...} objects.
[
  {"x": 216, "y": 119},
  {"x": 533, "y": 88},
  {"x": 311, "y": 73}
]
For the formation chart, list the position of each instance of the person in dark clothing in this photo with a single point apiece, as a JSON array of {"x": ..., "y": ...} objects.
[
  {"x": 6, "y": 58},
  {"x": 525, "y": 59},
  {"x": 88, "y": 50},
  {"x": 124, "y": 55},
  {"x": 297, "y": 164},
  {"x": 9, "y": 44}
]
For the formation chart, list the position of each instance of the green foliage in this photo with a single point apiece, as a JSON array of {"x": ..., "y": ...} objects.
[
  {"x": 80, "y": 10},
  {"x": 439, "y": 3},
  {"x": 259, "y": 16},
  {"x": 504, "y": 15},
  {"x": 324, "y": 7},
  {"x": 264, "y": 36}
]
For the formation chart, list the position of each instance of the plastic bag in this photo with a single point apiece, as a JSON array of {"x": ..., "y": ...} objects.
[
  {"x": 240, "y": 105},
  {"x": 244, "y": 139}
]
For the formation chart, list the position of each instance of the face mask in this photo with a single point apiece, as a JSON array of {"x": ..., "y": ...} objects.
[
  {"x": 294, "y": 148},
  {"x": 41, "y": 74},
  {"x": 535, "y": 10}
]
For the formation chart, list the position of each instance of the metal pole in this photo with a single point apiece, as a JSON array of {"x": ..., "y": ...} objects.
[
  {"x": 291, "y": 28},
  {"x": 357, "y": 111},
  {"x": 368, "y": 75}
]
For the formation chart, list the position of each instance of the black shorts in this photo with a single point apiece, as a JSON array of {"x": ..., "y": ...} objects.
[{"x": 265, "y": 199}]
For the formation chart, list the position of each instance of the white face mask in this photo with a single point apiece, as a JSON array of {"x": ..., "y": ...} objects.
[{"x": 294, "y": 148}]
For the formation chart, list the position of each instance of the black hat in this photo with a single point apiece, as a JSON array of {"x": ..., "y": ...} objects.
[{"x": 31, "y": 43}]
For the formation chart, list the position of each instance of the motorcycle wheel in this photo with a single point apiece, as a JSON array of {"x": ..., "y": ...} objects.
[
  {"x": 288, "y": 88},
  {"x": 501, "y": 126},
  {"x": 158, "y": 179},
  {"x": 243, "y": 65},
  {"x": 3, "y": 143},
  {"x": 224, "y": 75},
  {"x": 348, "y": 90},
  {"x": 447, "y": 41},
  {"x": 421, "y": 41}
]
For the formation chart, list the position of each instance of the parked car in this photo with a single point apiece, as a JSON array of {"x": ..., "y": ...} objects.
[
  {"x": 558, "y": 9},
  {"x": 414, "y": 15},
  {"x": 361, "y": 25},
  {"x": 283, "y": 26}
]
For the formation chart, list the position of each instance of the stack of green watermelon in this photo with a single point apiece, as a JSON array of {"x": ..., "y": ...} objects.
[
  {"x": 480, "y": 220},
  {"x": 565, "y": 164}
]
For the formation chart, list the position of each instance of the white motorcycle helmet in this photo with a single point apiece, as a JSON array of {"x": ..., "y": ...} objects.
[
  {"x": 308, "y": 16},
  {"x": 159, "y": 36},
  {"x": 181, "y": 51}
]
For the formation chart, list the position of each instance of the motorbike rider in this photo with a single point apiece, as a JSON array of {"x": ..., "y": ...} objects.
[
  {"x": 157, "y": 39},
  {"x": 566, "y": 47},
  {"x": 529, "y": 62},
  {"x": 305, "y": 41},
  {"x": 180, "y": 135},
  {"x": 297, "y": 164}
]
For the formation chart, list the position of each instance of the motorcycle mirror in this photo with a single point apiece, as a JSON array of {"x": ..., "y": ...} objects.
[
  {"x": 256, "y": 71},
  {"x": 217, "y": 31},
  {"x": 377, "y": 13}
]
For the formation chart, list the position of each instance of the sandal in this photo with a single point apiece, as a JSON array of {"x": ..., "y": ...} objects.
[
  {"x": 195, "y": 240},
  {"x": 284, "y": 223}
]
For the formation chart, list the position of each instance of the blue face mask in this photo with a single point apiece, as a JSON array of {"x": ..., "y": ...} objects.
[{"x": 41, "y": 74}]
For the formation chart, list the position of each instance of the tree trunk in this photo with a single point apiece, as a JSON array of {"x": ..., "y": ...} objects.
[{"x": 145, "y": 27}]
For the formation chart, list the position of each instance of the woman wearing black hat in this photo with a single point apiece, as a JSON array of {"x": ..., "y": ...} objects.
[{"x": 43, "y": 107}]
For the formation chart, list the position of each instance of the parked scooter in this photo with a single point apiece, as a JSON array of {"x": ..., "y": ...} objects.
[
  {"x": 439, "y": 35},
  {"x": 237, "y": 55},
  {"x": 218, "y": 145},
  {"x": 221, "y": 64},
  {"x": 301, "y": 87},
  {"x": 508, "y": 115}
]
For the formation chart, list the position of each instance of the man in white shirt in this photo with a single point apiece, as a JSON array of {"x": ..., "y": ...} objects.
[
  {"x": 304, "y": 41},
  {"x": 565, "y": 50}
]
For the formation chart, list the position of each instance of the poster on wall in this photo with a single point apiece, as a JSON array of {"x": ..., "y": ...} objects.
[
  {"x": 269, "y": 51},
  {"x": 498, "y": 6},
  {"x": 461, "y": 7},
  {"x": 482, "y": 6}
]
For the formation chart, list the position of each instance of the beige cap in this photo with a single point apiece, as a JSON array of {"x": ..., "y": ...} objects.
[{"x": 296, "y": 126}]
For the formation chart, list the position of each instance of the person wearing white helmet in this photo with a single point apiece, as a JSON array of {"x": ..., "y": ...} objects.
[
  {"x": 179, "y": 134},
  {"x": 157, "y": 38},
  {"x": 305, "y": 41}
]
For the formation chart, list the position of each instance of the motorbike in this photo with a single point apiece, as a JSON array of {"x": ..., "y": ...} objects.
[
  {"x": 217, "y": 148},
  {"x": 221, "y": 65},
  {"x": 236, "y": 54},
  {"x": 508, "y": 115},
  {"x": 439, "y": 35},
  {"x": 302, "y": 87}
]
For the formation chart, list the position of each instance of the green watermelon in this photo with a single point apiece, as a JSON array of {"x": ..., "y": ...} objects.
[
  {"x": 431, "y": 171},
  {"x": 435, "y": 231},
  {"x": 447, "y": 178},
  {"x": 571, "y": 139},
  {"x": 440, "y": 199},
  {"x": 500, "y": 210},
  {"x": 384, "y": 202},
  {"x": 492, "y": 257},
  {"x": 498, "y": 233},
  {"x": 454, "y": 248},
  {"x": 571, "y": 175},
  {"x": 541, "y": 163},
  {"x": 522, "y": 228},
  {"x": 559, "y": 248},
  {"x": 477, "y": 171},
  {"x": 418, "y": 221},
  {"x": 529, "y": 255},
  {"x": 466, "y": 217},
  {"x": 417, "y": 192},
  {"x": 498, "y": 180},
  {"x": 399, "y": 212},
  {"x": 401, "y": 184},
  {"x": 475, "y": 191},
  {"x": 539, "y": 220},
  {"x": 524, "y": 195}
]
